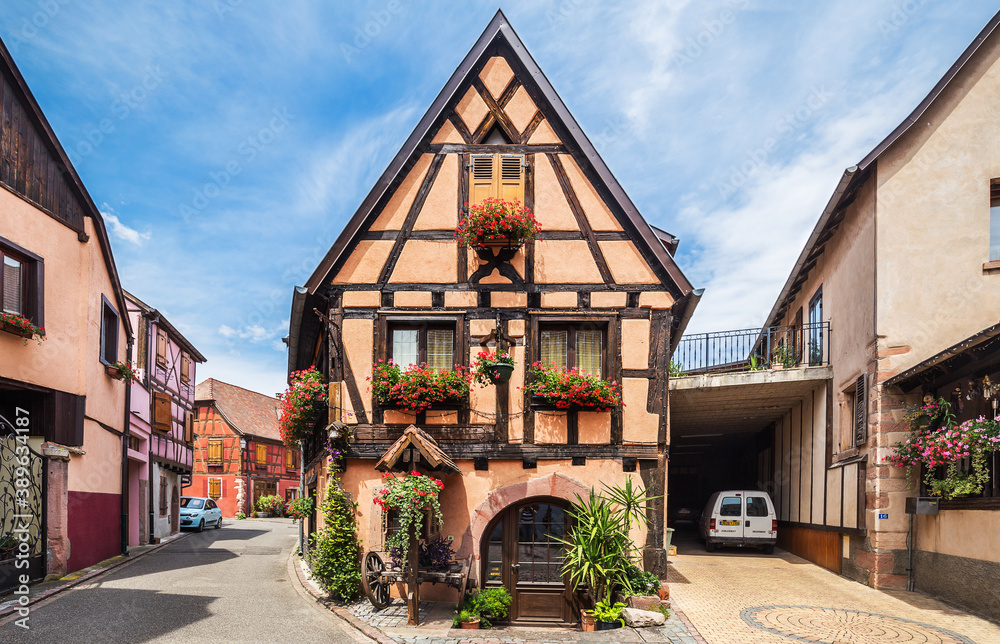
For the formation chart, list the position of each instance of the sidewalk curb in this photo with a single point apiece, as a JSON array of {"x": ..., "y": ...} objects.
[
  {"x": 691, "y": 629},
  {"x": 52, "y": 592},
  {"x": 358, "y": 625}
]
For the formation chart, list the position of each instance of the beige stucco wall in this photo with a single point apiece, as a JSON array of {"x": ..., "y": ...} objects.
[
  {"x": 962, "y": 533},
  {"x": 392, "y": 217},
  {"x": 934, "y": 218}
]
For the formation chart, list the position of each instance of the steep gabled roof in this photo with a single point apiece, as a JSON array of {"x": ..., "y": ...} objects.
[
  {"x": 499, "y": 33},
  {"x": 247, "y": 412},
  {"x": 148, "y": 311},
  {"x": 69, "y": 174},
  {"x": 855, "y": 176}
]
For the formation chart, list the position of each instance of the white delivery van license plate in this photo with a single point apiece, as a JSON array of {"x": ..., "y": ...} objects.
[{"x": 729, "y": 522}]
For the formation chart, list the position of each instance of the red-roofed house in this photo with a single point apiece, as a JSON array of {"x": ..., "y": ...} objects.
[{"x": 238, "y": 447}]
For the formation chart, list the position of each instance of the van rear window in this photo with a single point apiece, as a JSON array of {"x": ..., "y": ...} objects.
[
  {"x": 732, "y": 506},
  {"x": 756, "y": 506}
]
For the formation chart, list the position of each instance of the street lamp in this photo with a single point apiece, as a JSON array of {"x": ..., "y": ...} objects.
[{"x": 243, "y": 451}]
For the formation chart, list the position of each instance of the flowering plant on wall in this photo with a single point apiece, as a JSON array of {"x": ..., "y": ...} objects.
[
  {"x": 410, "y": 496},
  {"x": 496, "y": 222},
  {"x": 123, "y": 371},
  {"x": 22, "y": 326},
  {"x": 418, "y": 388},
  {"x": 941, "y": 446},
  {"x": 567, "y": 388},
  {"x": 493, "y": 367},
  {"x": 301, "y": 402}
]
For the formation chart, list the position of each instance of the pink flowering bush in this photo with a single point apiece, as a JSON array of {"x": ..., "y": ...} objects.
[
  {"x": 301, "y": 402},
  {"x": 937, "y": 442},
  {"x": 418, "y": 388},
  {"x": 411, "y": 496},
  {"x": 566, "y": 388}
]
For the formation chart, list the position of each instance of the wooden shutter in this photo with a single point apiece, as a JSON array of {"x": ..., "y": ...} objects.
[
  {"x": 510, "y": 184},
  {"x": 188, "y": 427},
  {"x": 260, "y": 454},
  {"x": 481, "y": 181},
  {"x": 163, "y": 496},
  {"x": 215, "y": 450},
  {"x": 66, "y": 411},
  {"x": 161, "y": 348},
  {"x": 161, "y": 412},
  {"x": 215, "y": 488},
  {"x": 860, "y": 411},
  {"x": 185, "y": 368}
]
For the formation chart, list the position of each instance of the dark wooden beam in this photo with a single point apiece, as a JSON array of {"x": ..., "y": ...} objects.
[
  {"x": 411, "y": 218},
  {"x": 529, "y": 129}
]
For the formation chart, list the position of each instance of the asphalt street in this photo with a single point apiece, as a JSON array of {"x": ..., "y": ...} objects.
[{"x": 225, "y": 585}]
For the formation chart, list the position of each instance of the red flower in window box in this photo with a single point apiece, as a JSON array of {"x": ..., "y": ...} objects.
[
  {"x": 496, "y": 223},
  {"x": 22, "y": 326},
  {"x": 122, "y": 371},
  {"x": 568, "y": 388},
  {"x": 419, "y": 388}
]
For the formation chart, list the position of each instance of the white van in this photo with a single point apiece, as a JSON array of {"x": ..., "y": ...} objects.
[{"x": 741, "y": 518}]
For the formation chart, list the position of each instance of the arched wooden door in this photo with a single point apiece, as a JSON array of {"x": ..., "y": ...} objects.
[{"x": 520, "y": 553}]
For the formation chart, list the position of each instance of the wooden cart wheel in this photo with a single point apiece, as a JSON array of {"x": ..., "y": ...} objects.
[
  {"x": 376, "y": 588},
  {"x": 466, "y": 577}
]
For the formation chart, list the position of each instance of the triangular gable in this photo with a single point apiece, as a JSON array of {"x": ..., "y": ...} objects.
[
  {"x": 487, "y": 96},
  {"x": 52, "y": 184}
]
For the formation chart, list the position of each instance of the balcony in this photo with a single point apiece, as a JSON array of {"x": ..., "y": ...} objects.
[{"x": 768, "y": 349}]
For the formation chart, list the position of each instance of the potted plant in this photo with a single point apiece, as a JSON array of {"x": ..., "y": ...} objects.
[
  {"x": 942, "y": 447},
  {"x": 496, "y": 223},
  {"x": 493, "y": 367},
  {"x": 122, "y": 371},
  {"x": 489, "y": 606},
  {"x": 419, "y": 388},
  {"x": 568, "y": 388},
  {"x": 466, "y": 619},
  {"x": 269, "y": 505},
  {"x": 783, "y": 357},
  {"x": 21, "y": 326},
  {"x": 608, "y": 616},
  {"x": 409, "y": 495},
  {"x": 302, "y": 507},
  {"x": 300, "y": 404}
]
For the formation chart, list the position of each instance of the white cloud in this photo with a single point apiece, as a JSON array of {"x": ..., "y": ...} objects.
[{"x": 123, "y": 232}]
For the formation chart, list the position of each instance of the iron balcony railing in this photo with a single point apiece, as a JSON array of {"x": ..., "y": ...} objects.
[{"x": 776, "y": 347}]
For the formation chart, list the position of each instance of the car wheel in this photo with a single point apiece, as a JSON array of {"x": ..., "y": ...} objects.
[
  {"x": 201, "y": 526},
  {"x": 768, "y": 550},
  {"x": 709, "y": 546},
  {"x": 218, "y": 524}
]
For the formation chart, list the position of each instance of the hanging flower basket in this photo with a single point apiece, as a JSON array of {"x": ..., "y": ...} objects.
[
  {"x": 419, "y": 388},
  {"x": 300, "y": 404},
  {"x": 496, "y": 223},
  {"x": 21, "y": 326},
  {"x": 493, "y": 368},
  {"x": 409, "y": 495}
]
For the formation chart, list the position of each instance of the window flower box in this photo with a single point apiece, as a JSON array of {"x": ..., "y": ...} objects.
[
  {"x": 301, "y": 404},
  {"x": 496, "y": 223},
  {"x": 419, "y": 388},
  {"x": 570, "y": 389},
  {"x": 122, "y": 371},
  {"x": 21, "y": 326}
]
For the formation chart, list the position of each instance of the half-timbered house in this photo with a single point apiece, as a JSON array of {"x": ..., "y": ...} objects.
[
  {"x": 239, "y": 455},
  {"x": 599, "y": 290},
  {"x": 161, "y": 432},
  {"x": 64, "y": 324}
]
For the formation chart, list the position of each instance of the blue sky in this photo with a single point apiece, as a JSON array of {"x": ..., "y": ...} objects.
[{"x": 239, "y": 137}]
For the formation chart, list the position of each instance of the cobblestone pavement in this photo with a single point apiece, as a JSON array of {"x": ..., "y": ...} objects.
[
  {"x": 737, "y": 597},
  {"x": 435, "y": 630}
]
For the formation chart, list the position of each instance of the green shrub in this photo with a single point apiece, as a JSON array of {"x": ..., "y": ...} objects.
[
  {"x": 241, "y": 515},
  {"x": 335, "y": 552},
  {"x": 491, "y": 605},
  {"x": 637, "y": 582},
  {"x": 605, "y": 612},
  {"x": 465, "y": 616}
]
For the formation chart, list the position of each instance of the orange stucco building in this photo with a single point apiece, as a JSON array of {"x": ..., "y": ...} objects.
[
  {"x": 599, "y": 289},
  {"x": 61, "y": 409}
]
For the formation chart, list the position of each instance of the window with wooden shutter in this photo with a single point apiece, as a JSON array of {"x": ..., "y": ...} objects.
[
  {"x": 214, "y": 451},
  {"x": 185, "y": 368},
  {"x": 161, "y": 412},
  {"x": 860, "y": 411},
  {"x": 21, "y": 283},
  {"x": 163, "y": 496},
  {"x": 188, "y": 427},
  {"x": 12, "y": 281},
  {"x": 496, "y": 175},
  {"x": 215, "y": 488},
  {"x": 109, "y": 332},
  {"x": 161, "y": 348},
  {"x": 260, "y": 454}
]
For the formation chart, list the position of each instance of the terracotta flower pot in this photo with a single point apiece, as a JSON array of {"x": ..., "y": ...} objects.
[
  {"x": 587, "y": 621},
  {"x": 16, "y": 330},
  {"x": 664, "y": 591},
  {"x": 470, "y": 625},
  {"x": 114, "y": 373}
]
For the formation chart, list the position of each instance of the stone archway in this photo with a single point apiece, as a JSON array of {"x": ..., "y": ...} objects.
[{"x": 553, "y": 485}]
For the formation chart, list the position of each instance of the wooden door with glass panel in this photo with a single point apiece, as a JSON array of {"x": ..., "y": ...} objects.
[{"x": 521, "y": 554}]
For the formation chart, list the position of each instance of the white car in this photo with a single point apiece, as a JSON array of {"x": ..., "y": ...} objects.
[
  {"x": 198, "y": 512},
  {"x": 741, "y": 518}
]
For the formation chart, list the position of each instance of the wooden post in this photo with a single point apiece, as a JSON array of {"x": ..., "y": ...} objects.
[{"x": 412, "y": 585}]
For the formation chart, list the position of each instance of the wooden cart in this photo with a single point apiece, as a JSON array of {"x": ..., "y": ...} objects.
[{"x": 377, "y": 578}]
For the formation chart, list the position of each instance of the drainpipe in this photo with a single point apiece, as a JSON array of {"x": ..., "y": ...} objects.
[{"x": 126, "y": 434}]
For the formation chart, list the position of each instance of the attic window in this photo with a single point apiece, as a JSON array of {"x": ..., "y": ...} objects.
[
  {"x": 496, "y": 137},
  {"x": 496, "y": 175}
]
